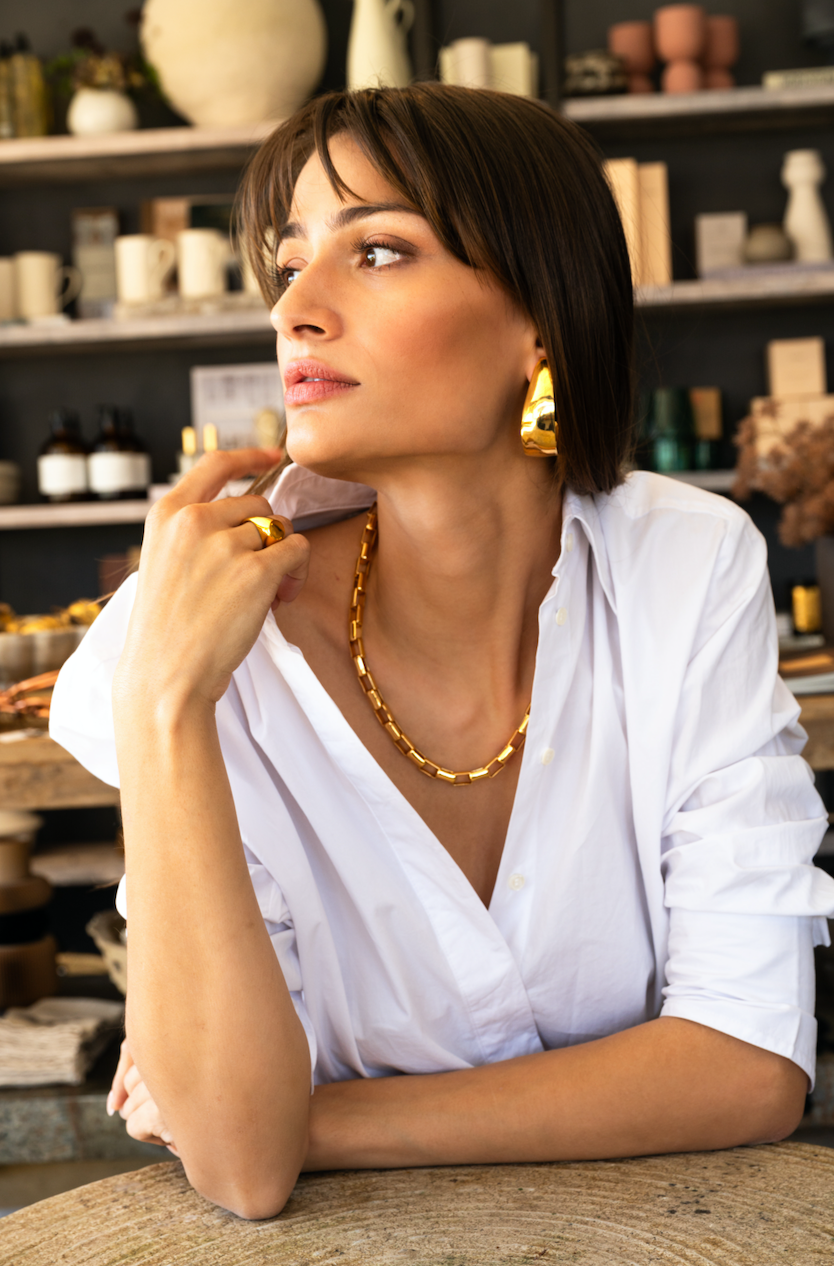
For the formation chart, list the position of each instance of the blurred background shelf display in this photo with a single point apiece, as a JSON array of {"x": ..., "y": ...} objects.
[
  {"x": 212, "y": 329},
  {"x": 148, "y": 152},
  {"x": 734, "y": 109}
]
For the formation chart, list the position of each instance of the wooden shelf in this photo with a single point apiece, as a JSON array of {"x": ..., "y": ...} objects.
[
  {"x": 736, "y": 109},
  {"x": 73, "y": 514},
  {"x": 148, "y": 151},
  {"x": 744, "y": 287},
  {"x": 225, "y": 328},
  {"x": 751, "y": 287}
]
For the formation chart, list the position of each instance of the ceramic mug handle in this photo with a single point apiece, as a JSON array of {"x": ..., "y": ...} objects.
[
  {"x": 69, "y": 281},
  {"x": 162, "y": 256},
  {"x": 402, "y": 11}
]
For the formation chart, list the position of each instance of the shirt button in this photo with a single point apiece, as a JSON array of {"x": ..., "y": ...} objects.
[
  {"x": 547, "y": 755},
  {"x": 569, "y": 542},
  {"x": 516, "y": 882},
  {"x": 561, "y": 615}
]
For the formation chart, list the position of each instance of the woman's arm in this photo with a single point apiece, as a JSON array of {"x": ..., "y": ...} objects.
[
  {"x": 210, "y": 1022},
  {"x": 666, "y": 1086}
]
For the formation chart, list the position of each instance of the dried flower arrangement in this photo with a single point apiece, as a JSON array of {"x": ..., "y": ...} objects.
[
  {"x": 89, "y": 65},
  {"x": 796, "y": 469}
]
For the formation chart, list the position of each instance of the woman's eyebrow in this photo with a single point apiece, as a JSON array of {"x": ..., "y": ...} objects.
[{"x": 348, "y": 215}]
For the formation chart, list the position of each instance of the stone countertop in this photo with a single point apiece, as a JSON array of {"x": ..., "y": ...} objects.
[{"x": 750, "y": 1206}]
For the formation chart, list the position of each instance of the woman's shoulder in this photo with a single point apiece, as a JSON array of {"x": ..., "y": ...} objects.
[
  {"x": 659, "y": 510},
  {"x": 664, "y": 544}
]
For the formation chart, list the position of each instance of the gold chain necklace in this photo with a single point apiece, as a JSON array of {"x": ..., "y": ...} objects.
[{"x": 383, "y": 713}]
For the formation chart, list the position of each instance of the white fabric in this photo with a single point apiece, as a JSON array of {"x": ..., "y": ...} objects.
[{"x": 658, "y": 858}]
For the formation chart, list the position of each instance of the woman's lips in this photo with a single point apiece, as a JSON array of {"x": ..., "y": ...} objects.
[{"x": 310, "y": 390}]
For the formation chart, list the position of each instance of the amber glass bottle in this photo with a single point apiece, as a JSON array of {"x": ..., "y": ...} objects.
[{"x": 62, "y": 462}]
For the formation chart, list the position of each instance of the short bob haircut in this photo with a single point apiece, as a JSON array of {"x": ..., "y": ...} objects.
[{"x": 511, "y": 188}]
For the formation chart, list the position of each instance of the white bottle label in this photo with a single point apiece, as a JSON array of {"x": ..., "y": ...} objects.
[
  {"x": 62, "y": 474},
  {"x": 141, "y": 471},
  {"x": 111, "y": 473}
]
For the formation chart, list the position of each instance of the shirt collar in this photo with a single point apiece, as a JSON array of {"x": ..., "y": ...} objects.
[
  {"x": 584, "y": 512},
  {"x": 312, "y": 500}
]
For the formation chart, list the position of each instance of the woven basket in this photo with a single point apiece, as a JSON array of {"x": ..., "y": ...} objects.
[{"x": 106, "y": 929}]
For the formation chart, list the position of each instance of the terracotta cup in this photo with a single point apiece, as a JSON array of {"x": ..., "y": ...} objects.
[
  {"x": 682, "y": 77},
  {"x": 722, "y": 44},
  {"x": 640, "y": 83},
  {"x": 680, "y": 32},
  {"x": 632, "y": 42},
  {"x": 717, "y": 79}
]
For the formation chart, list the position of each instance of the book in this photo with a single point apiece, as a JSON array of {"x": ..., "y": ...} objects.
[
  {"x": 655, "y": 236},
  {"x": 796, "y": 368},
  {"x": 641, "y": 191},
  {"x": 623, "y": 177},
  {"x": 809, "y": 673}
]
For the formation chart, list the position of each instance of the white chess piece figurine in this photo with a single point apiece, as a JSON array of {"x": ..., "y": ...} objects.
[
  {"x": 377, "y": 53},
  {"x": 806, "y": 222}
]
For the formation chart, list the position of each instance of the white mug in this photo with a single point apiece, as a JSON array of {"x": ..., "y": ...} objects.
[
  {"x": 142, "y": 264},
  {"x": 471, "y": 63},
  {"x": 42, "y": 284},
  {"x": 202, "y": 256},
  {"x": 8, "y": 307}
]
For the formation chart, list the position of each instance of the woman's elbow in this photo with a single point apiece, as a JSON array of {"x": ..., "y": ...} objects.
[
  {"x": 251, "y": 1190},
  {"x": 778, "y": 1101}
]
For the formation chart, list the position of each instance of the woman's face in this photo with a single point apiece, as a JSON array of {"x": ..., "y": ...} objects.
[{"x": 389, "y": 347}]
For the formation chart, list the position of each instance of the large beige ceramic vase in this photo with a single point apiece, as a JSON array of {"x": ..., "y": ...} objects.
[{"x": 229, "y": 63}]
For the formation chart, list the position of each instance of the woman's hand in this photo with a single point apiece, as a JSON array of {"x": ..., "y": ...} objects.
[
  {"x": 130, "y": 1097},
  {"x": 206, "y": 585}
]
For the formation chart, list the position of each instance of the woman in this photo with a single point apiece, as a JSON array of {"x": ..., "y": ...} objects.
[{"x": 598, "y": 942}]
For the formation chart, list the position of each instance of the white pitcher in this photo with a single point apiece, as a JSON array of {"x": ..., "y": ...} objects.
[
  {"x": 377, "y": 53},
  {"x": 806, "y": 222}
]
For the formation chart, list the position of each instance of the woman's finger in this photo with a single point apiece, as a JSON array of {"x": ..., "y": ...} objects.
[
  {"x": 132, "y": 1079},
  {"x": 212, "y": 472},
  {"x": 118, "y": 1094},
  {"x": 145, "y": 1124}
]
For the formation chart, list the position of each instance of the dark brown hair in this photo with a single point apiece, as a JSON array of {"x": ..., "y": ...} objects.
[{"x": 509, "y": 187}]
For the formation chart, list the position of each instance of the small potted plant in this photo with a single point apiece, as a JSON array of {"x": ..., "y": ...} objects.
[{"x": 100, "y": 84}]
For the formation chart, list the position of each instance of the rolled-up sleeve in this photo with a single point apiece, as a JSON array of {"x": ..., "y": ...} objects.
[{"x": 746, "y": 904}]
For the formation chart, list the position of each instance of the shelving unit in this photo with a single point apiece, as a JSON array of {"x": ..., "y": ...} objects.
[
  {"x": 735, "y": 109},
  {"x": 73, "y": 514},
  {"x": 147, "y": 152},
  {"x": 224, "y": 328}
]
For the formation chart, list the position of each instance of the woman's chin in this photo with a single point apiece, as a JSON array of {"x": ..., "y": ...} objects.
[{"x": 333, "y": 461}]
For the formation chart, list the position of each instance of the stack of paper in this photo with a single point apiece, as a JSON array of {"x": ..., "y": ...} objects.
[
  {"x": 810, "y": 674},
  {"x": 55, "y": 1040}
]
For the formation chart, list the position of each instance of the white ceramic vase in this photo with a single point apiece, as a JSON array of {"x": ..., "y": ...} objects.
[
  {"x": 95, "y": 111},
  {"x": 377, "y": 52},
  {"x": 806, "y": 222},
  {"x": 232, "y": 63}
]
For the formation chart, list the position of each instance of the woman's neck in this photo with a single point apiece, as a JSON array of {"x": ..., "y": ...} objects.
[{"x": 462, "y": 565}]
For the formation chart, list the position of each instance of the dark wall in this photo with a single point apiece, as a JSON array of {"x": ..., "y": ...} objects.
[{"x": 709, "y": 173}]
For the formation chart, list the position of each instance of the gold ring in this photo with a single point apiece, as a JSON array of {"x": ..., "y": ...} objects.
[{"x": 271, "y": 530}]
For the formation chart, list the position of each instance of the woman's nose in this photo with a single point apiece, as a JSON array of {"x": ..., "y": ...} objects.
[{"x": 306, "y": 306}]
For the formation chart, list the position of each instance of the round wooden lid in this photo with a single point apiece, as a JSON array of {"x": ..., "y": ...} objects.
[{"x": 745, "y": 1207}]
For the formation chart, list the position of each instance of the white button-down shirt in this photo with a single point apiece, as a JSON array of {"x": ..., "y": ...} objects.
[{"x": 658, "y": 856}]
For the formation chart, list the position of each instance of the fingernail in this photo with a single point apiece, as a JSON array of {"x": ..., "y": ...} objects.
[{"x": 109, "y": 1104}]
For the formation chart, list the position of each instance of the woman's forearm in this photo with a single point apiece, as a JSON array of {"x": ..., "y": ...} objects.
[
  {"x": 668, "y": 1085},
  {"x": 210, "y": 1022}
]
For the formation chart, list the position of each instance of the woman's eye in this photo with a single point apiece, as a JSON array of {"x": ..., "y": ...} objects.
[
  {"x": 288, "y": 274},
  {"x": 379, "y": 256}
]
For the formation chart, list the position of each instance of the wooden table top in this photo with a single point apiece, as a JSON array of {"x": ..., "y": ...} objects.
[{"x": 746, "y": 1207}]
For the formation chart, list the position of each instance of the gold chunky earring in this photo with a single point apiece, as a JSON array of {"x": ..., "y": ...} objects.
[{"x": 539, "y": 425}]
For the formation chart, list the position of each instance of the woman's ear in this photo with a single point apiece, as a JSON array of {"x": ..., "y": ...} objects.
[{"x": 538, "y": 353}]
